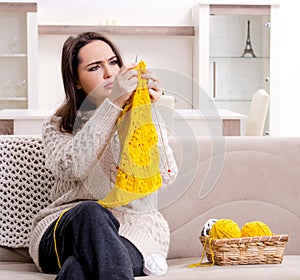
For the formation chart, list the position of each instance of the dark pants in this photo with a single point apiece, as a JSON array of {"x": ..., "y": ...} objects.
[{"x": 89, "y": 247}]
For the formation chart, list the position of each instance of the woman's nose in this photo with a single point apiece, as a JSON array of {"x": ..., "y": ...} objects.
[{"x": 108, "y": 72}]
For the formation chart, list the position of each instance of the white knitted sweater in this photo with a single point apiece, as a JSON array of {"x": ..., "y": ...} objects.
[{"x": 84, "y": 165}]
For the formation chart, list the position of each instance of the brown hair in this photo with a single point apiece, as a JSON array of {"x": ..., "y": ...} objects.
[{"x": 69, "y": 68}]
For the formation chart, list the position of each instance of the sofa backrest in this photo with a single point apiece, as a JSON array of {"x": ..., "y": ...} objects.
[{"x": 239, "y": 178}]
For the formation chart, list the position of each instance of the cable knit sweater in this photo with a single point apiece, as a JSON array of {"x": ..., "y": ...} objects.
[{"x": 84, "y": 165}]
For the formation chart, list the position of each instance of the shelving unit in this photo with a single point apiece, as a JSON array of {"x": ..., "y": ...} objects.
[
  {"x": 225, "y": 79},
  {"x": 18, "y": 53},
  {"x": 237, "y": 78},
  {"x": 233, "y": 75}
]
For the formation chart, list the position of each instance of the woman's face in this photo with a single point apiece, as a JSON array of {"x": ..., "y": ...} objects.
[{"x": 97, "y": 68}]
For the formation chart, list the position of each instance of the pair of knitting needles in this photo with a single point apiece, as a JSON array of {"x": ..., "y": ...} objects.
[{"x": 136, "y": 58}]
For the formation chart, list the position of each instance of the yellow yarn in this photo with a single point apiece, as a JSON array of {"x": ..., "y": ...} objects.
[
  {"x": 255, "y": 228},
  {"x": 225, "y": 228},
  {"x": 54, "y": 236},
  {"x": 138, "y": 172},
  {"x": 193, "y": 265}
]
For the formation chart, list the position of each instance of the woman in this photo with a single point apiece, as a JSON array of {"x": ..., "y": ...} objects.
[{"x": 75, "y": 237}]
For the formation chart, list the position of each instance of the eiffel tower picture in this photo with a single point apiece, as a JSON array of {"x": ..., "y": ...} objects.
[{"x": 248, "y": 50}]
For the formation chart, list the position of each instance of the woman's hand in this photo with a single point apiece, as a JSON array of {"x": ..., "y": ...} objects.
[
  {"x": 124, "y": 84},
  {"x": 153, "y": 86}
]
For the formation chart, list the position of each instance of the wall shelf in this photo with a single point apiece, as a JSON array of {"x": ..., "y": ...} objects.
[
  {"x": 13, "y": 99},
  {"x": 118, "y": 30},
  {"x": 240, "y": 9},
  {"x": 239, "y": 57},
  {"x": 12, "y": 55},
  {"x": 18, "y": 6}
]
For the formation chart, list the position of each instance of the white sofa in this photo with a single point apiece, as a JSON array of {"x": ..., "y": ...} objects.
[{"x": 240, "y": 178}]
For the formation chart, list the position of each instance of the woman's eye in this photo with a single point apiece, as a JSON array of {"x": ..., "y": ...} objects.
[
  {"x": 94, "y": 68},
  {"x": 114, "y": 62}
]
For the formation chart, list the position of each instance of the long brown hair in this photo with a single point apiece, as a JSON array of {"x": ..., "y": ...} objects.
[{"x": 69, "y": 68}]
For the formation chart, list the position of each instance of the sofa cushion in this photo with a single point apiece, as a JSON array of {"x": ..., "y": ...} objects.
[
  {"x": 25, "y": 186},
  {"x": 178, "y": 270},
  {"x": 8, "y": 254},
  {"x": 22, "y": 271}
]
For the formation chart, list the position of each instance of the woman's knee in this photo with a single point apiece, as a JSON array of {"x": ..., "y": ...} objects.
[
  {"x": 90, "y": 210},
  {"x": 88, "y": 206}
]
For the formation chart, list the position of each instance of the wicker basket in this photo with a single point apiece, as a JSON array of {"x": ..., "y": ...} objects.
[{"x": 245, "y": 250}]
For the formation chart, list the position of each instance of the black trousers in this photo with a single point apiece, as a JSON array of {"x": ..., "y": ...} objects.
[{"x": 89, "y": 247}]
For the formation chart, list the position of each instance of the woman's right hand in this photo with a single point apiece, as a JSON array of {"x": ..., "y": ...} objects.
[{"x": 125, "y": 83}]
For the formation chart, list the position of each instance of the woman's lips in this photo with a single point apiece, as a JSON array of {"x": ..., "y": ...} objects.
[{"x": 109, "y": 85}]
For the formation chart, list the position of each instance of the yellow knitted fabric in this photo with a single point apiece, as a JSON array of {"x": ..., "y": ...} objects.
[
  {"x": 255, "y": 228},
  {"x": 225, "y": 228},
  {"x": 138, "y": 171}
]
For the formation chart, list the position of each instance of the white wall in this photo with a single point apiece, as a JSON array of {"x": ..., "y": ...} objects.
[
  {"x": 170, "y": 12},
  {"x": 289, "y": 114},
  {"x": 161, "y": 53}
]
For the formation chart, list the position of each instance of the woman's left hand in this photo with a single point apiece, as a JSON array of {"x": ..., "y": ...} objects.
[{"x": 154, "y": 86}]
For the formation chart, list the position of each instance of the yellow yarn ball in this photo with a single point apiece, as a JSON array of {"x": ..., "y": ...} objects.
[
  {"x": 225, "y": 228},
  {"x": 255, "y": 228}
]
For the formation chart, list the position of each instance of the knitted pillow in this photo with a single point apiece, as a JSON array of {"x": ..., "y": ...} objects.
[{"x": 25, "y": 185}]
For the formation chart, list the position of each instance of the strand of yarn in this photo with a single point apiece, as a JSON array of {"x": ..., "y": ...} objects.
[
  {"x": 200, "y": 263},
  {"x": 54, "y": 236}
]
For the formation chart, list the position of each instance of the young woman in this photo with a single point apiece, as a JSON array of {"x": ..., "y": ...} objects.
[{"x": 75, "y": 237}]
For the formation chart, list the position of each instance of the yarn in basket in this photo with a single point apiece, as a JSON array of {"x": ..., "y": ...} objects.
[
  {"x": 255, "y": 228},
  {"x": 207, "y": 226},
  {"x": 225, "y": 228}
]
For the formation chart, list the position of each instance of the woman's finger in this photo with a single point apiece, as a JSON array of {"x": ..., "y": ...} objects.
[
  {"x": 154, "y": 95},
  {"x": 127, "y": 67},
  {"x": 150, "y": 76},
  {"x": 130, "y": 74},
  {"x": 154, "y": 85}
]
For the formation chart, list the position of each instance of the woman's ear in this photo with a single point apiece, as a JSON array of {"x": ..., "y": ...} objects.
[{"x": 78, "y": 85}]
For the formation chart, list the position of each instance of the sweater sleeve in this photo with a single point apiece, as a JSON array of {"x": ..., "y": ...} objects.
[{"x": 70, "y": 157}]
